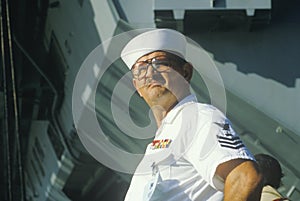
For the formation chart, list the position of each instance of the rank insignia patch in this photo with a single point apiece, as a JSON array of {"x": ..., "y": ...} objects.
[
  {"x": 160, "y": 144},
  {"x": 227, "y": 139}
]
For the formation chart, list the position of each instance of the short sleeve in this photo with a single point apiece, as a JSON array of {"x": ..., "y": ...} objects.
[{"x": 216, "y": 143}]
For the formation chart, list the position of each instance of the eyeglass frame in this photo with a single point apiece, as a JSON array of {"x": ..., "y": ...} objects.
[{"x": 169, "y": 58}]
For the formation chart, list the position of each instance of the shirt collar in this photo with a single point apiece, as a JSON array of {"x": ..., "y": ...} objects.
[{"x": 174, "y": 112}]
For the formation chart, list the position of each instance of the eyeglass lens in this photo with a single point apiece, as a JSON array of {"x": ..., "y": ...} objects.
[{"x": 159, "y": 64}]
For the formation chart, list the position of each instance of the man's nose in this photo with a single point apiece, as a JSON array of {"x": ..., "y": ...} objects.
[{"x": 151, "y": 71}]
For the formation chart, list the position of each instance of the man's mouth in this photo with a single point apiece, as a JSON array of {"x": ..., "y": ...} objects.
[
  {"x": 149, "y": 83},
  {"x": 154, "y": 83}
]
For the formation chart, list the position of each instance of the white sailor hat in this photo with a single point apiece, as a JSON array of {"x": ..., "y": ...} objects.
[{"x": 158, "y": 39}]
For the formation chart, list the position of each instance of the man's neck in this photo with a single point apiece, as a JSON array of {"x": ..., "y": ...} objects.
[{"x": 161, "y": 110}]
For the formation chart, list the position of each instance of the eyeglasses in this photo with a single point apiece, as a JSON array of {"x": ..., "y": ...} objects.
[{"x": 159, "y": 64}]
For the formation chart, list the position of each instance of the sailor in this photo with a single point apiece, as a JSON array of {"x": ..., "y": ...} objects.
[{"x": 195, "y": 155}]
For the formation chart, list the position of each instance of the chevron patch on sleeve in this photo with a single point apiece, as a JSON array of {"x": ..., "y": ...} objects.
[{"x": 227, "y": 139}]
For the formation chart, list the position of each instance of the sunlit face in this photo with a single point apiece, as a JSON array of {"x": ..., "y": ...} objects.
[{"x": 159, "y": 79}]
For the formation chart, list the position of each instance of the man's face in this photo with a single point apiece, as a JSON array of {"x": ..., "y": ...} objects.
[{"x": 159, "y": 79}]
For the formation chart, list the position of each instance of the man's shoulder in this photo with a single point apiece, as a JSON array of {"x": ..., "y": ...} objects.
[
  {"x": 203, "y": 109},
  {"x": 199, "y": 106}
]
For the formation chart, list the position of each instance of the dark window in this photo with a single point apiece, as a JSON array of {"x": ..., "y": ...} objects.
[{"x": 55, "y": 141}]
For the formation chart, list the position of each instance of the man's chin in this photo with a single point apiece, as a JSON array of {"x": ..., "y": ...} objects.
[{"x": 159, "y": 94}]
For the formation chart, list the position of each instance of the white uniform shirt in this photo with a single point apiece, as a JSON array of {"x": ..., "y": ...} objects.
[{"x": 180, "y": 163}]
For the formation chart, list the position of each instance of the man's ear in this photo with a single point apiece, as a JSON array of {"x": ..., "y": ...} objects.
[
  {"x": 135, "y": 86},
  {"x": 134, "y": 83},
  {"x": 187, "y": 71}
]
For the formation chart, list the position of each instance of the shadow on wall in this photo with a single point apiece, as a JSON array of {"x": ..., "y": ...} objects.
[{"x": 271, "y": 52}]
